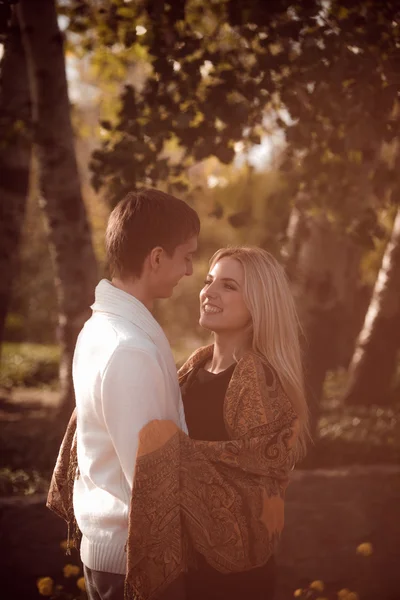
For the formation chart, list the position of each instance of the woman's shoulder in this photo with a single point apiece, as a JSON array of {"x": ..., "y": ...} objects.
[
  {"x": 198, "y": 356},
  {"x": 260, "y": 366},
  {"x": 254, "y": 367},
  {"x": 258, "y": 388}
]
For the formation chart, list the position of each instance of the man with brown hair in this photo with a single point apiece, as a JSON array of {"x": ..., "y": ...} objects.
[{"x": 124, "y": 373}]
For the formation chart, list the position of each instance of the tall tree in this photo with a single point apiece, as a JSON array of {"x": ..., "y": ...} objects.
[
  {"x": 378, "y": 345},
  {"x": 206, "y": 90},
  {"x": 219, "y": 67},
  {"x": 61, "y": 199},
  {"x": 15, "y": 156},
  {"x": 341, "y": 92},
  {"x": 323, "y": 267}
]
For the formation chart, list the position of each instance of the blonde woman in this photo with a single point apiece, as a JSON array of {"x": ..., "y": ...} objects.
[{"x": 207, "y": 509}]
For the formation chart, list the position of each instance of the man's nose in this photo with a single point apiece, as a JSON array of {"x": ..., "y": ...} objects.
[{"x": 189, "y": 269}]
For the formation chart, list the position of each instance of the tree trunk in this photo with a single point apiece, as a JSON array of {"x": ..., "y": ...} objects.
[
  {"x": 15, "y": 156},
  {"x": 322, "y": 265},
  {"x": 61, "y": 199},
  {"x": 373, "y": 365}
]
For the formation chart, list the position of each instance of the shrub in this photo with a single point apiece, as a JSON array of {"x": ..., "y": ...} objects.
[
  {"x": 28, "y": 365},
  {"x": 21, "y": 482}
]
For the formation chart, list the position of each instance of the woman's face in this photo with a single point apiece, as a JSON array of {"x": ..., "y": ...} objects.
[{"x": 222, "y": 305}]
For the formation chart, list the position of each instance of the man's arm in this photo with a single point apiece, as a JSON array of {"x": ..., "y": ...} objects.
[{"x": 133, "y": 393}]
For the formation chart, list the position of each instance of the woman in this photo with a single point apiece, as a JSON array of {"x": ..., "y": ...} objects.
[
  {"x": 247, "y": 305},
  {"x": 213, "y": 504}
]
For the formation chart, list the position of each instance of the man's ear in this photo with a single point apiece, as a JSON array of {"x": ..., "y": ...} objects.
[{"x": 155, "y": 257}]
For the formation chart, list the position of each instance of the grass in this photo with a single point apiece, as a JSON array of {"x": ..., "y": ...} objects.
[
  {"x": 29, "y": 442},
  {"x": 28, "y": 447},
  {"x": 28, "y": 365},
  {"x": 30, "y": 435},
  {"x": 349, "y": 435},
  {"x": 36, "y": 365}
]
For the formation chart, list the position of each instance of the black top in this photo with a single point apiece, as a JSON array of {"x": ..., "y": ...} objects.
[{"x": 203, "y": 395}]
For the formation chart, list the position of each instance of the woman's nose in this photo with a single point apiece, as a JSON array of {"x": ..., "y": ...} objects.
[{"x": 211, "y": 292}]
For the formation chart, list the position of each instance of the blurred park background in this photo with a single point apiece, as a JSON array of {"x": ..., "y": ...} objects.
[{"x": 279, "y": 122}]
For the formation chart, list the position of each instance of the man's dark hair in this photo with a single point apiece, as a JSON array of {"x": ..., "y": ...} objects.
[{"x": 142, "y": 221}]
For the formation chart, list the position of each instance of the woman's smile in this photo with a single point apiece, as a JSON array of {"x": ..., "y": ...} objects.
[{"x": 211, "y": 309}]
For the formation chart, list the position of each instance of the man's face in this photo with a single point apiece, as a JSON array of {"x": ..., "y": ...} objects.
[{"x": 171, "y": 269}]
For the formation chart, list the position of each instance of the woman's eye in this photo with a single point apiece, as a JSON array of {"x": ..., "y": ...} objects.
[{"x": 229, "y": 287}]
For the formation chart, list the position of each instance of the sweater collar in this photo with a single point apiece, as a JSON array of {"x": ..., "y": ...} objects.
[{"x": 112, "y": 300}]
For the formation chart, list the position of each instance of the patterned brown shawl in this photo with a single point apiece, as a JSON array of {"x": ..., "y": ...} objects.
[{"x": 224, "y": 500}]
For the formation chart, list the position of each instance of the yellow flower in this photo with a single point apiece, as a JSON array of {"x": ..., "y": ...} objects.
[
  {"x": 317, "y": 585},
  {"x": 71, "y": 571},
  {"x": 298, "y": 593},
  {"x": 342, "y": 594},
  {"x": 81, "y": 584},
  {"x": 45, "y": 586},
  {"x": 64, "y": 544},
  {"x": 352, "y": 596},
  {"x": 365, "y": 549}
]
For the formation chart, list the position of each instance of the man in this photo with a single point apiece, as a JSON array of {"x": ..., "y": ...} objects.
[{"x": 124, "y": 373}]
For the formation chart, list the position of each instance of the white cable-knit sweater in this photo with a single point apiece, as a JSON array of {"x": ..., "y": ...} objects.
[{"x": 124, "y": 376}]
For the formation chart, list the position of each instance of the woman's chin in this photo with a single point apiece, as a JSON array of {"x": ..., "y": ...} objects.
[{"x": 208, "y": 322}]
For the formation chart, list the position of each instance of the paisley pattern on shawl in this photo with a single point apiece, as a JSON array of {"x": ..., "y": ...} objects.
[
  {"x": 60, "y": 495},
  {"x": 222, "y": 499}
]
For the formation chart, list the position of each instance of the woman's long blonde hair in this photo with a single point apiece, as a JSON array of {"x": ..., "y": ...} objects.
[{"x": 275, "y": 324}]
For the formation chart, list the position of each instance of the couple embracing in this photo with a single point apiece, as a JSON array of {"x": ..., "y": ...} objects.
[{"x": 172, "y": 483}]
